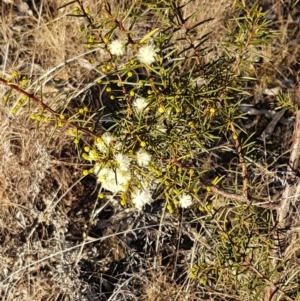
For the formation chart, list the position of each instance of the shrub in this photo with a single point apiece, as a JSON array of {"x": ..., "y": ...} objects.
[{"x": 164, "y": 125}]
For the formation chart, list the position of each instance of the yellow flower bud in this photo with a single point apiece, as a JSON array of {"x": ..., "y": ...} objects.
[
  {"x": 191, "y": 172},
  {"x": 76, "y": 10},
  {"x": 161, "y": 109},
  {"x": 15, "y": 74},
  {"x": 91, "y": 39},
  {"x": 170, "y": 208}
]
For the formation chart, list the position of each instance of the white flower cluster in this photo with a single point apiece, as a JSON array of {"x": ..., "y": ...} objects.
[
  {"x": 147, "y": 54},
  {"x": 104, "y": 142},
  {"x": 143, "y": 158},
  {"x": 139, "y": 105},
  {"x": 185, "y": 200},
  {"x": 141, "y": 197},
  {"x": 117, "y": 174},
  {"x": 116, "y": 47},
  {"x": 112, "y": 179}
]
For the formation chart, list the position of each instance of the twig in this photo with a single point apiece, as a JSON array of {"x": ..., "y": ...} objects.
[
  {"x": 45, "y": 107},
  {"x": 239, "y": 197},
  {"x": 239, "y": 149}
]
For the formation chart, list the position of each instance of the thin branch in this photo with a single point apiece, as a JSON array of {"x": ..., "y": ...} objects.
[
  {"x": 239, "y": 197},
  {"x": 31, "y": 96},
  {"x": 239, "y": 150}
]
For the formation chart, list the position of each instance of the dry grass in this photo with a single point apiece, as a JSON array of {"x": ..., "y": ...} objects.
[{"x": 46, "y": 208}]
